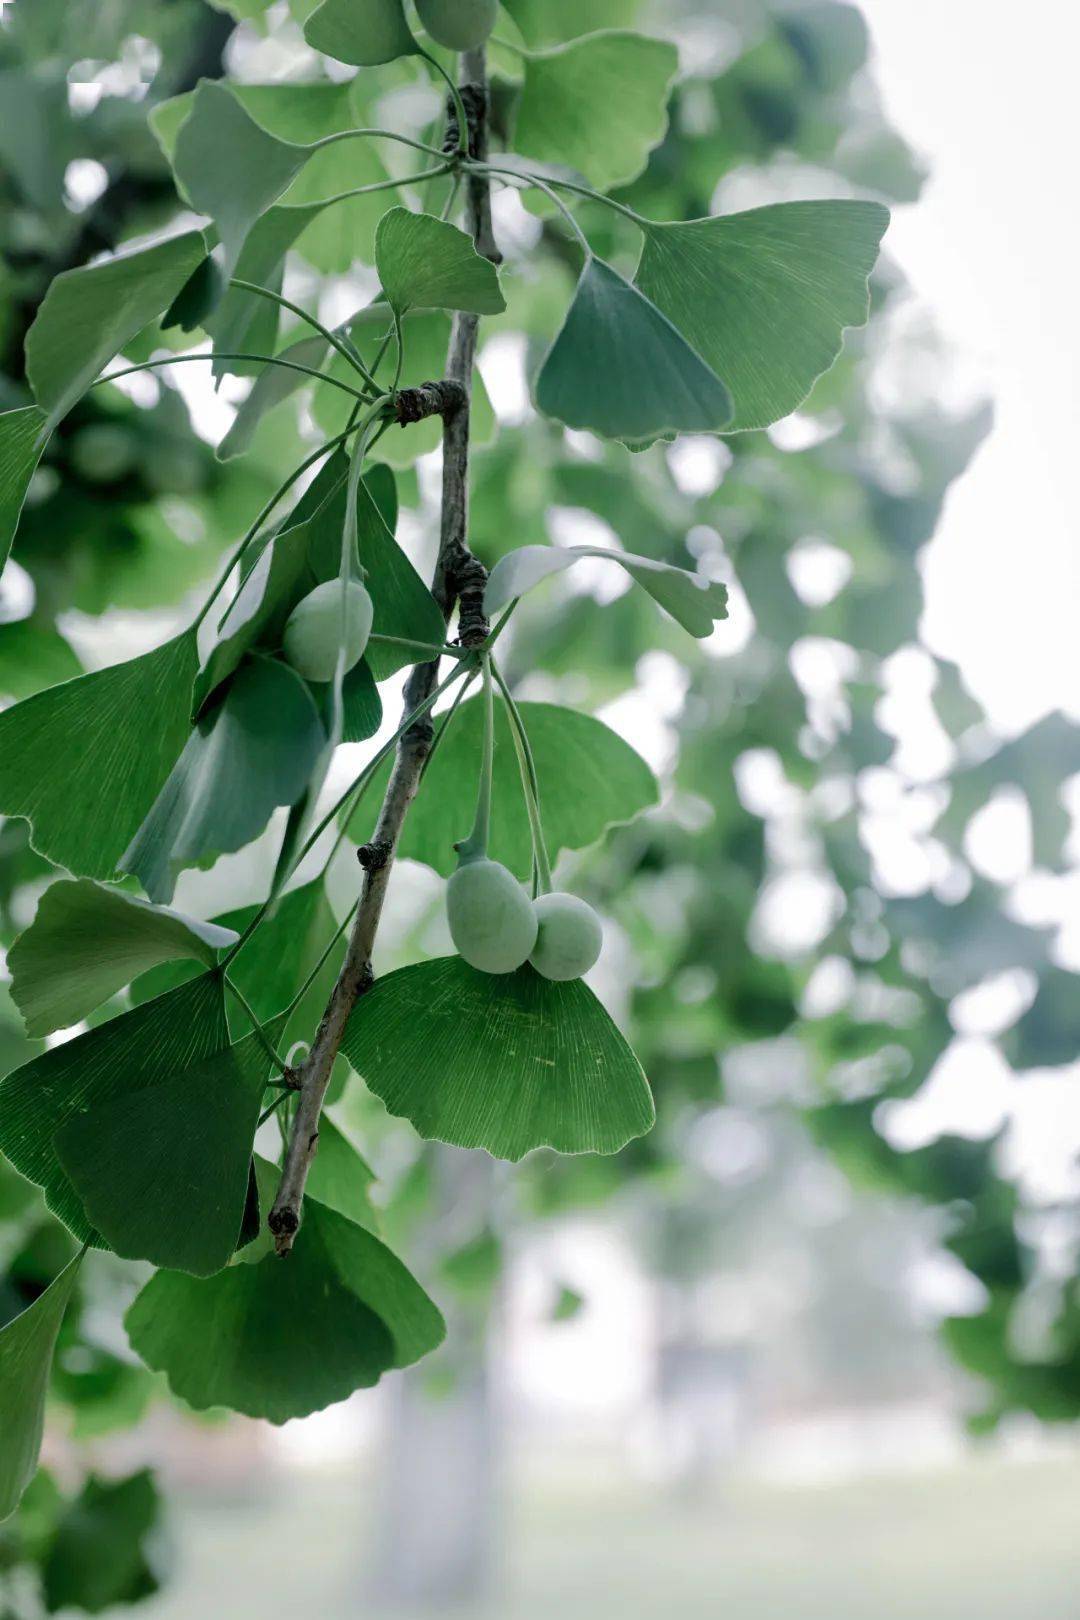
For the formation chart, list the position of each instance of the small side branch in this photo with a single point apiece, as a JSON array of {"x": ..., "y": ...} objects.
[{"x": 459, "y": 580}]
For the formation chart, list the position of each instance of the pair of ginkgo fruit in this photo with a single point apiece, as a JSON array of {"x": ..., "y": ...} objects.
[{"x": 493, "y": 923}]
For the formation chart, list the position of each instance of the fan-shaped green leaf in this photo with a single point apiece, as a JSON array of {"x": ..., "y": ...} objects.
[
  {"x": 163, "y": 1171},
  {"x": 230, "y": 167},
  {"x": 22, "y": 440},
  {"x": 696, "y": 603},
  {"x": 764, "y": 296},
  {"x": 281, "y": 1339},
  {"x": 26, "y": 1352},
  {"x": 363, "y": 36},
  {"x": 87, "y": 941},
  {"x": 427, "y": 263},
  {"x": 250, "y": 754},
  {"x": 545, "y": 22},
  {"x": 620, "y": 368},
  {"x": 506, "y": 1062},
  {"x": 84, "y": 761},
  {"x": 138, "y": 1049},
  {"x": 598, "y": 104},
  {"x": 590, "y": 779},
  {"x": 89, "y": 314}
]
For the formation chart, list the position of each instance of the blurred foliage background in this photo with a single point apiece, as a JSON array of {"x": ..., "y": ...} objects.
[{"x": 799, "y": 931}]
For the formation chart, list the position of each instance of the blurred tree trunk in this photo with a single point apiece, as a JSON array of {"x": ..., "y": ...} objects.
[{"x": 439, "y": 1476}]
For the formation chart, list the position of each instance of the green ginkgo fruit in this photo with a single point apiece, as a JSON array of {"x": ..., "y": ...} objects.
[
  {"x": 314, "y": 631},
  {"x": 569, "y": 936},
  {"x": 491, "y": 918},
  {"x": 460, "y": 25}
]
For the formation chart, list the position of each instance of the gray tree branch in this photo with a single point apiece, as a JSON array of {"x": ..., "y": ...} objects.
[{"x": 458, "y": 580}]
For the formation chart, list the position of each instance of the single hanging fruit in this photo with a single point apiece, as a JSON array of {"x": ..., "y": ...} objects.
[
  {"x": 313, "y": 633},
  {"x": 460, "y": 25},
  {"x": 569, "y": 937},
  {"x": 491, "y": 918}
]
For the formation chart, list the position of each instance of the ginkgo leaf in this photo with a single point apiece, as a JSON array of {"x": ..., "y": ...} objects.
[
  {"x": 251, "y": 753},
  {"x": 506, "y": 1062},
  {"x": 427, "y": 263},
  {"x": 318, "y": 212},
  {"x": 620, "y": 368},
  {"x": 87, "y": 941},
  {"x": 590, "y": 779},
  {"x": 280, "y": 1339},
  {"x": 230, "y": 167},
  {"x": 764, "y": 296},
  {"x": 598, "y": 104},
  {"x": 84, "y": 761},
  {"x": 26, "y": 1351},
  {"x": 696, "y": 603},
  {"x": 22, "y": 440},
  {"x": 544, "y": 22},
  {"x": 403, "y": 604},
  {"x": 363, "y": 36},
  {"x": 89, "y": 314},
  {"x": 138, "y": 1049},
  {"x": 162, "y": 1171}
]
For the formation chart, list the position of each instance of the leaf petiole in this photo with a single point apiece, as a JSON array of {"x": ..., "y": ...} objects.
[
  {"x": 530, "y": 783},
  {"x": 212, "y": 354},
  {"x": 476, "y": 845}
]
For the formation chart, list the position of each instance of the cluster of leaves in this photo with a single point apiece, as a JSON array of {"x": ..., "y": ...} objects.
[{"x": 141, "y": 1130}]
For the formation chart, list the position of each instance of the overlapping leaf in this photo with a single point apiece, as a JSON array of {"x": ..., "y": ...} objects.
[
  {"x": 142, "y": 1048},
  {"x": 250, "y": 754},
  {"x": 590, "y": 779},
  {"x": 22, "y": 440},
  {"x": 89, "y": 314},
  {"x": 162, "y": 1171},
  {"x": 506, "y": 1062},
  {"x": 598, "y": 104},
  {"x": 26, "y": 1352},
  {"x": 230, "y": 167},
  {"x": 621, "y": 369},
  {"x": 764, "y": 297},
  {"x": 84, "y": 761},
  {"x": 87, "y": 941},
  {"x": 696, "y": 603},
  {"x": 281, "y": 1339},
  {"x": 363, "y": 36}
]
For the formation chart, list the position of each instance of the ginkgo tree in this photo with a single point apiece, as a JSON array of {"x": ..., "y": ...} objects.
[{"x": 274, "y": 1293}]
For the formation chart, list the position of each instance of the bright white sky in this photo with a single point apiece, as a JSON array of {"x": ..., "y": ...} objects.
[{"x": 986, "y": 89}]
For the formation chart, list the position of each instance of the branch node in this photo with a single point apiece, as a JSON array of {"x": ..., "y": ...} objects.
[
  {"x": 373, "y": 857},
  {"x": 439, "y": 398},
  {"x": 469, "y": 578}
]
